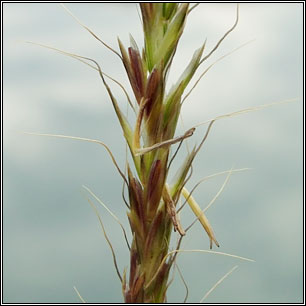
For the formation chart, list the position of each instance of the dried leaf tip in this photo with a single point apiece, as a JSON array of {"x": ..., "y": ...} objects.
[{"x": 201, "y": 216}]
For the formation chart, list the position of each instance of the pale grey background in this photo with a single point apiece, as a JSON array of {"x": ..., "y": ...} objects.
[{"x": 52, "y": 239}]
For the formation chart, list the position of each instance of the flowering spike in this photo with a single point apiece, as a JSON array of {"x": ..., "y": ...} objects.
[
  {"x": 152, "y": 203},
  {"x": 152, "y": 214}
]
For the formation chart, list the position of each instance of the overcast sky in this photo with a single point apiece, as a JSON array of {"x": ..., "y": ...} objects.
[{"x": 52, "y": 239}]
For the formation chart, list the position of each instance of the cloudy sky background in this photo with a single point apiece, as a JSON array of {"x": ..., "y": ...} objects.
[{"x": 52, "y": 239}]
